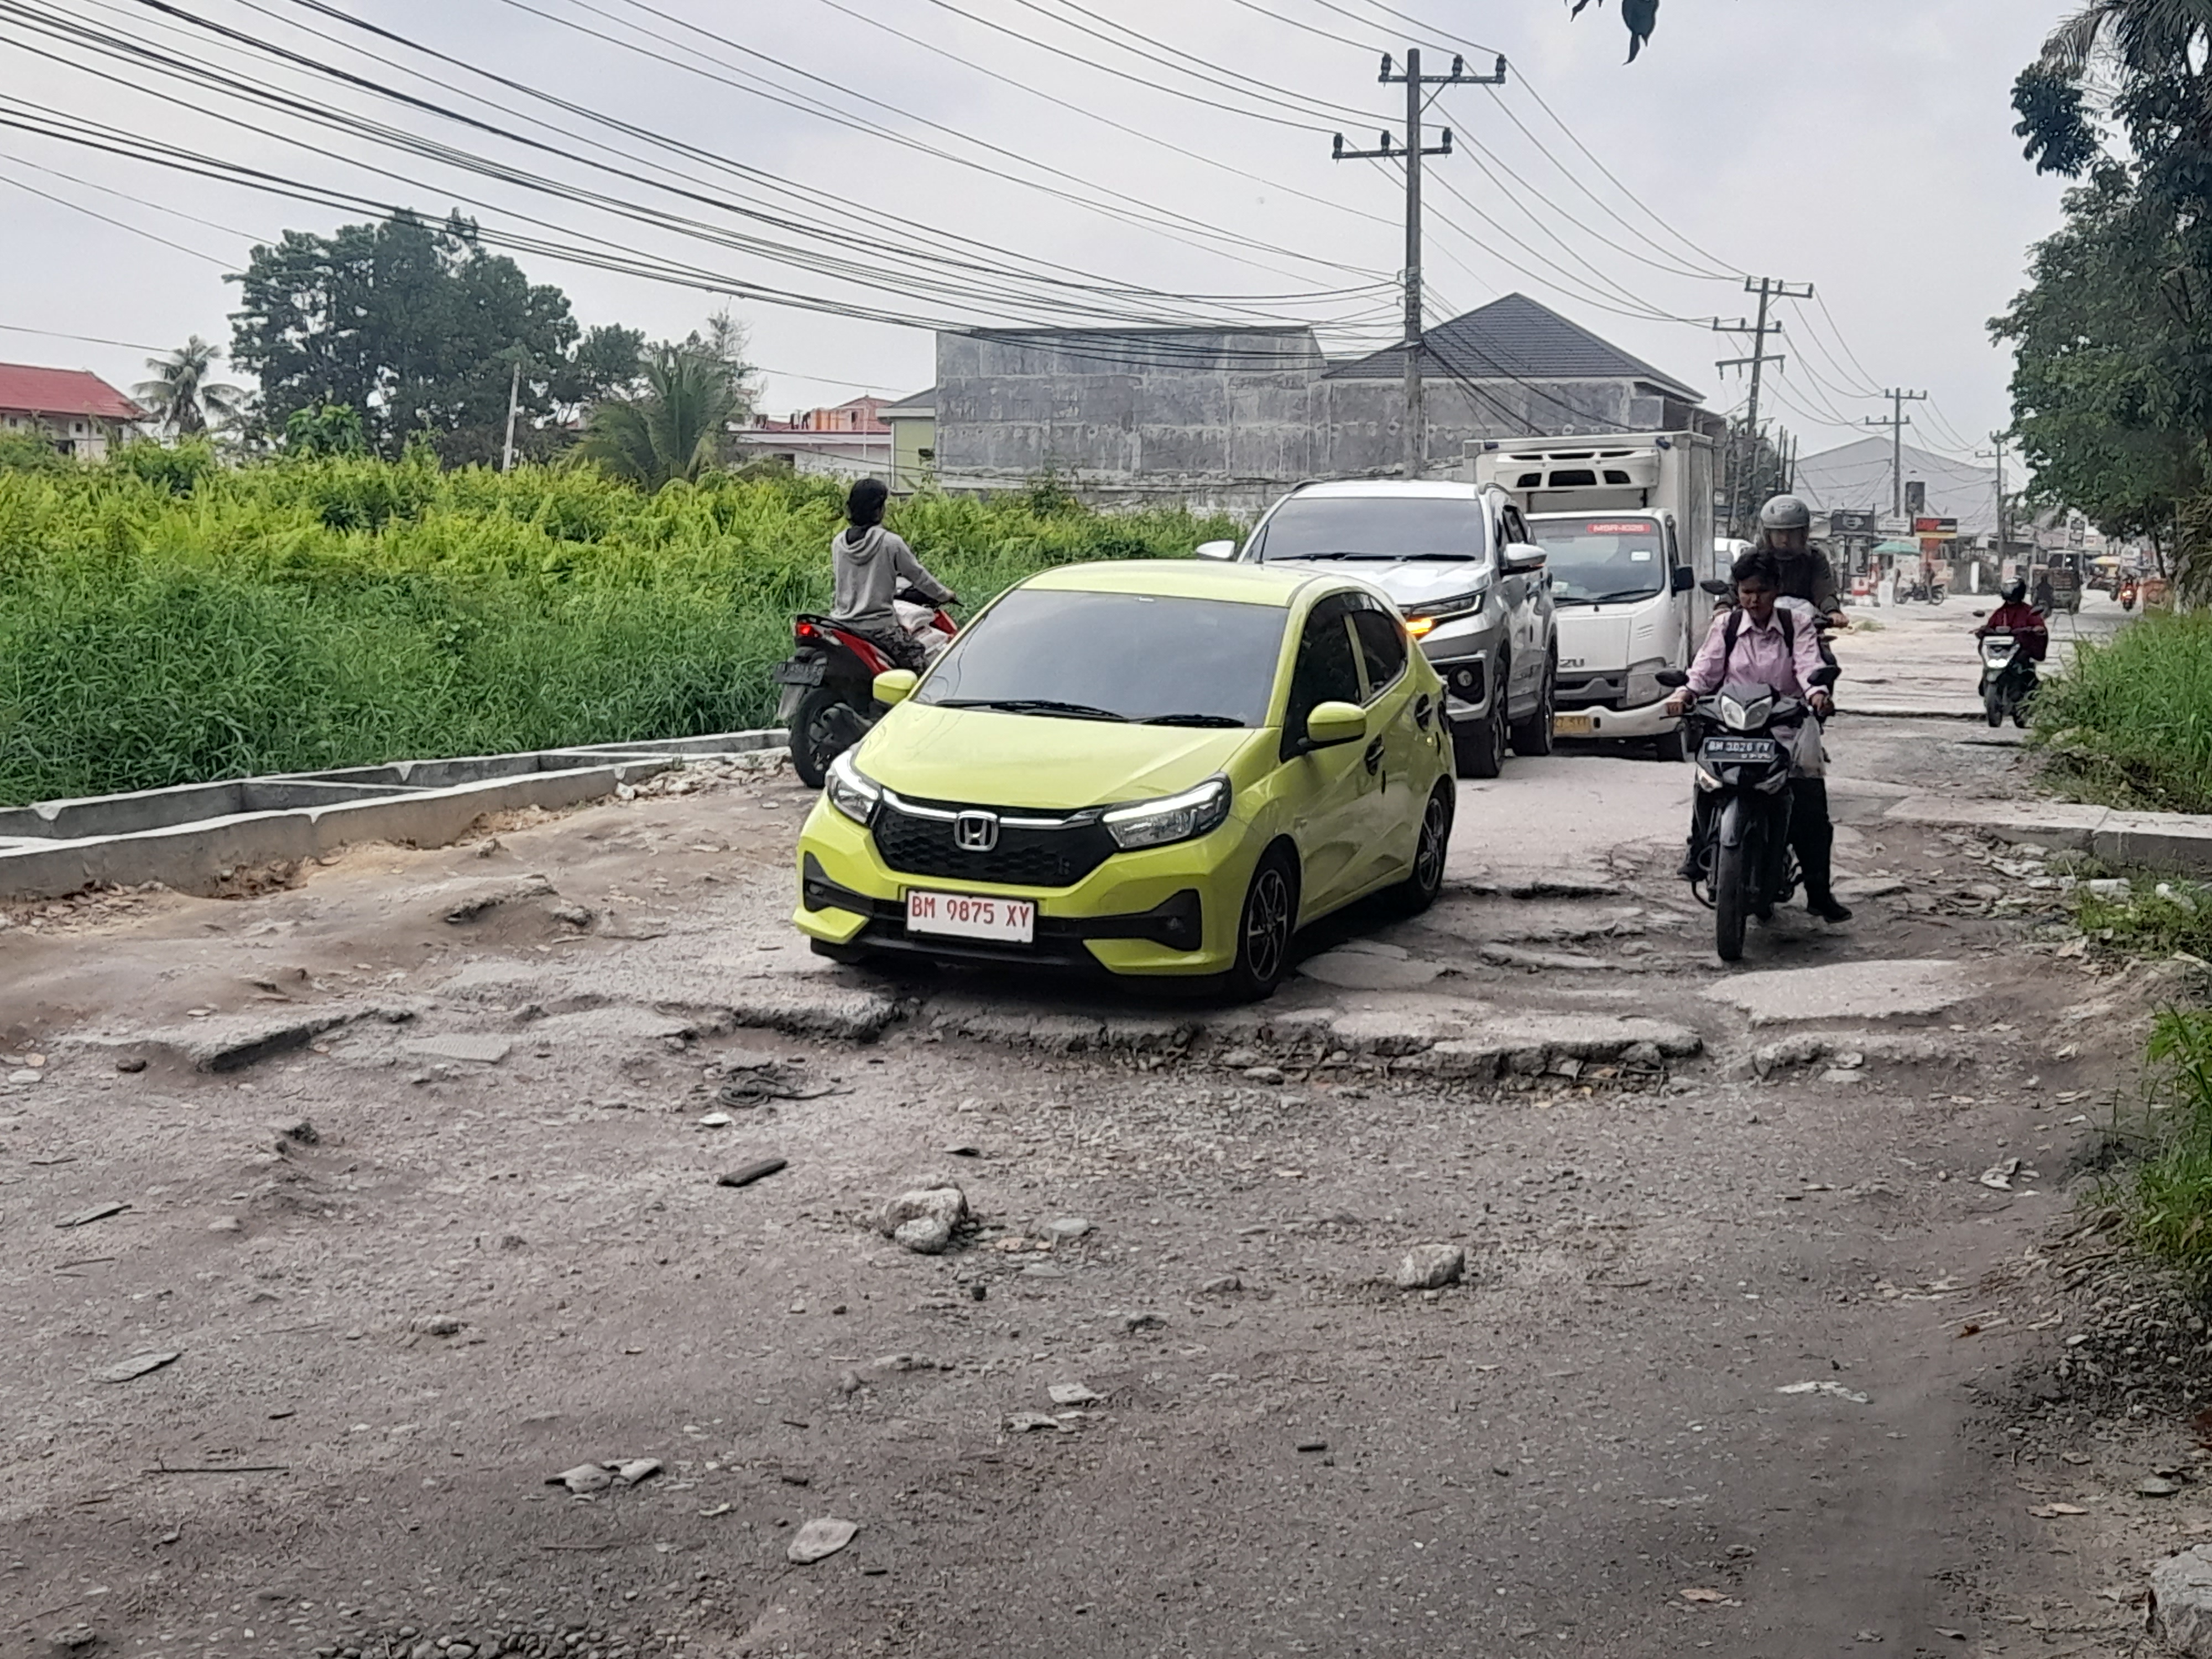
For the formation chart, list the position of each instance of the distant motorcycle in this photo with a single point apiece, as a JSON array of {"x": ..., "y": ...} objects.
[
  {"x": 2007, "y": 677},
  {"x": 1927, "y": 589},
  {"x": 2127, "y": 596},
  {"x": 828, "y": 683}
]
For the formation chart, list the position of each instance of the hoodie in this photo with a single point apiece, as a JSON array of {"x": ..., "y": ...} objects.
[{"x": 867, "y": 565}]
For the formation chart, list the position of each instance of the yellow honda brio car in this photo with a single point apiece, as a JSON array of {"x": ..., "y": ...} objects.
[{"x": 1153, "y": 766}]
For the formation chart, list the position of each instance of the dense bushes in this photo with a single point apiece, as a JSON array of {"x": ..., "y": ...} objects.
[
  {"x": 2129, "y": 723},
  {"x": 164, "y": 620}
]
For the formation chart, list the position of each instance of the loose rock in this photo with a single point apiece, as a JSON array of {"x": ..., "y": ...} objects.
[
  {"x": 2181, "y": 1601},
  {"x": 818, "y": 1540},
  {"x": 584, "y": 1478},
  {"x": 1072, "y": 1393},
  {"x": 123, "y": 1371},
  {"x": 923, "y": 1219},
  {"x": 1067, "y": 1227},
  {"x": 1431, "y": 1267}
]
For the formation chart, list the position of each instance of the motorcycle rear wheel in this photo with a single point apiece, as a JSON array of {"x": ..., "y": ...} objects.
[
  {"x": 820, "y": 731},
  {"x": 1732, "y": 878}
]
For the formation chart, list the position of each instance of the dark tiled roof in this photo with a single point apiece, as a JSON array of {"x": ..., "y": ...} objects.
[{"x": 1517, "y": 339}]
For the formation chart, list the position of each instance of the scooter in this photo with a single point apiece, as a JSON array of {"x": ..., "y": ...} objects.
[
  {"x": 1746, "y": 864},
  {"x": 1926, "y": 588},
  {"x": 828, "y": 701},
  {"x": 2127, "y": 596},
  {"x": 2007, "y": 677}
]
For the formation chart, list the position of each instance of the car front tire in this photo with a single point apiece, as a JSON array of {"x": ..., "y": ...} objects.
[
  {"x": 1265, "y": 926},
  {"x": 1533, "y": 736},
  {"x": 1426, "y": 879}
]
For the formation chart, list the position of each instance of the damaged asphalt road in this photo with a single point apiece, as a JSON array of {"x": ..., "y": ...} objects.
[{"x": 1697, "y": 1385}]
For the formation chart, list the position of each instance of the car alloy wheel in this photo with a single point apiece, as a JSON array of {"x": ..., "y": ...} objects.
[
  {"x": 1269, "y": 920},
  {"x": 1418, "y": 891}
]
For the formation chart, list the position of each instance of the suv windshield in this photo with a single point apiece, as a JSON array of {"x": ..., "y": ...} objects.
[
  {"x": 1115, "y": 657},
  {"x": 1598, "y": 560},
  {"x": 1374, "y": 527}
]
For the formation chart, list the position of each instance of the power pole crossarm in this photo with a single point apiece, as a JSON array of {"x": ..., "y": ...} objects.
[
  {"x": 1411, "y": 155},
  {"x": 1896, "y": 421},
  {"x": 1768, "y": 290}
]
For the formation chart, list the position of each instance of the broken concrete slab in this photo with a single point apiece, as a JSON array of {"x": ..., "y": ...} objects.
[
  {"x": 1528, "y": 1043},
  {"x": 228, "y": 1042},
  {"x": 1892, "y": 1048},
  {"x": 1847, "y": 990},
  {"x": 482, "y": 1049},
  {"x": 2177, "y": 841},
  {"x": 1370, "y": 970},
  {"x": 2181, "y": 1601},
  {"x": 2061, "y": 824},
  {"x": 1854, "y": 890},
  {"x": 1556, "y": 962},
  {"x": 460, "y": 902}
]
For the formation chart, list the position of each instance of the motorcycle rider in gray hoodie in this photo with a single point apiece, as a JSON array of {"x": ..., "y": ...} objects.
[{"x": 868, "y": 562}]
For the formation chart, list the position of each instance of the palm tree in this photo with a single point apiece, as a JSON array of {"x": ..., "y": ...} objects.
[
  {"x": 673, "y": 429},
  {"x": 180, "y": 397},
  {"x": 2149, "y": 37}
]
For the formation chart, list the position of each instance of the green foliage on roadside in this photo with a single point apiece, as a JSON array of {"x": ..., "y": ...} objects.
[
  {"x": 2129, "y": 723},
  {"x": 2152, "y": 918},
  {"x": 2168, "y": 1197},
  {"x": 164, "y": 620}
]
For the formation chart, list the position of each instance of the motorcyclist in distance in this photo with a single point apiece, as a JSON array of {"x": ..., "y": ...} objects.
[
  {"x": 1769, "y": 648},
  {"x": 867, "y": 563},
  {"x": 2021, "y": 619}
]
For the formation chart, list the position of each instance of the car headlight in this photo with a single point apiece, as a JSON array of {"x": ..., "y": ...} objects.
[
  {"x": 850, "y": 790},
  {"x": 1426, "y": 618},
  {"x": 1171, "y": 818}
]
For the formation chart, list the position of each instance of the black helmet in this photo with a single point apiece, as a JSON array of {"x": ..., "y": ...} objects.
[{"x": 2016, "y": 591}]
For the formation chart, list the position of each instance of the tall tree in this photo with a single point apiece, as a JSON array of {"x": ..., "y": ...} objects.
[
  {"x": 416, "y": 326},
  {"x": 674, "y": 428},
  {"x": 181, "y": 397}
]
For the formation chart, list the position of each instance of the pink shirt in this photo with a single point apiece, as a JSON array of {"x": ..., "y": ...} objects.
[{"x": 1762, "y": 657}]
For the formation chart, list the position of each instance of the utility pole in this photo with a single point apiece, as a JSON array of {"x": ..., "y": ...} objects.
[
  {"x": 1897, "y": 421},
  {"x": 514, "y": 395},
  {"x": 1997, "y": 455},
  {"x": 1416, "y": 104},
  {"x": 1768, "y": 290}
]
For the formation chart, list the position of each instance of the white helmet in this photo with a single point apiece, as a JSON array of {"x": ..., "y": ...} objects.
[{"x": 1785, "y": 513}]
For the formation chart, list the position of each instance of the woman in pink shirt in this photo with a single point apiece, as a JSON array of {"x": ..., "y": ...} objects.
[{"x": 1781, "y": 650}]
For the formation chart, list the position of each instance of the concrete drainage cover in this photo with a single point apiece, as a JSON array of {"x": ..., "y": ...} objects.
[{"x": 1849, "y": 990}]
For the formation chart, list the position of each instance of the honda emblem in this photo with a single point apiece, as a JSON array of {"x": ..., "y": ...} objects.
[{"x": 975, "y": 832}]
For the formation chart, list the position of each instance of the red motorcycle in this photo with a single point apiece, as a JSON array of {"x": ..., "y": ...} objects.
[
  {"x": 2127, "y": 594},
  {"x": 829, "y": 683}
]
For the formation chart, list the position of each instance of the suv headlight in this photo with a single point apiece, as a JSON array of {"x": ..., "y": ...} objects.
[
  {"x": 1171, "y": 818},
  {"x": 1426, "y": 618},
  {"x": 850, "y": 790}
]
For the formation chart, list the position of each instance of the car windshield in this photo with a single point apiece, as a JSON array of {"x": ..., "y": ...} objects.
[
  {"x": 1115, "y": 656},
  {"x": 1358, "y": 527},
  {"x": 1601, "y": 560}
]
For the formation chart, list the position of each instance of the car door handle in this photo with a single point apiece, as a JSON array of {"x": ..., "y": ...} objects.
[{"x": 1374, "y": 756}]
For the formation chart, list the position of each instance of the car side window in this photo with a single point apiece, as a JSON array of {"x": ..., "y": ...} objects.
[
  {"x": 1382, "y": 642},
  {"x": 1327, "y": 670},
  {"x": 1516, "y": 527}
]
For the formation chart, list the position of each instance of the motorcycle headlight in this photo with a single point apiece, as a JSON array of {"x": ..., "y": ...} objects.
[
  {"x": 1744, "y": 716},
  {"x": 1171, "y": 818},
  {"x": 850, "y": 790}
]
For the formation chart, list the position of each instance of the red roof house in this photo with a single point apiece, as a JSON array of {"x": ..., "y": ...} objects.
[{"x": 74, "y": 410}]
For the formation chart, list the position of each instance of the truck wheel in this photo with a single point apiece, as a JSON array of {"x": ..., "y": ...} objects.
[
  {"x": 1533, "y": 736},
  {"x": 1479, "y": 749},
  {"x": 1673, "y": 747}
]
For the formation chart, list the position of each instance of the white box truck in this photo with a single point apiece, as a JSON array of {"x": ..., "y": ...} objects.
[{"x": 1627, "y": 523}]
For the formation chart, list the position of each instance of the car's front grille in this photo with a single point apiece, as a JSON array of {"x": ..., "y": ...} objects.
[{"x": 921, "y": 843}]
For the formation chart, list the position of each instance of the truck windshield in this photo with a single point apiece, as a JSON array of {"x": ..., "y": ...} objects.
[
  {"x": 1603, "y": 560},
  {"x": 1374, "y": 528}
]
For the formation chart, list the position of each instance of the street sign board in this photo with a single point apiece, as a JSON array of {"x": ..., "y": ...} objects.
[
  {"x": 1942, "y": 529},
  {"x": 1852, "y": 521}
]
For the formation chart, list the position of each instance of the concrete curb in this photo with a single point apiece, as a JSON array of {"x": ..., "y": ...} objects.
[
  {"x": 191, "y": 837},
  {"x": 2181, "y": 843}
]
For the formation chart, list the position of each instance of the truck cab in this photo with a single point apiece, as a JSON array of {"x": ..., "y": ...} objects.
[{"x": 1626, "y": 524}]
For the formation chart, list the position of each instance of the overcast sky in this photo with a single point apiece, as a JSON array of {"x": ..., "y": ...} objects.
[{"x": 1865, "y": 148}]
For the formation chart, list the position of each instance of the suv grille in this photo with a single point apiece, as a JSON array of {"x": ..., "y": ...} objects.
[{"x": 915, "y": 845}]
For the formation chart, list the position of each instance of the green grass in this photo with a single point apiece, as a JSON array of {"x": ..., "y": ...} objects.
[
  {"x": 2153, "y": 918},
  {"x": 2129, "y": 723},
  {"x": 2168, "y": 1197},
  {"x": 164, "y": 620}
]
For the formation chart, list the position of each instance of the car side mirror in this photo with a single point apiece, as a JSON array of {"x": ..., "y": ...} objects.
[
  {"x": 1332, "y": 724},
  {"x": 1524, "y": 558},
  {"x": 895, "y": 685},
  {"x": 1717, "y": 588},
  {"x": 1214, "y": 551},
  {"x": 1683, "y": 579},
  {"x": 1673, "y": 679}
]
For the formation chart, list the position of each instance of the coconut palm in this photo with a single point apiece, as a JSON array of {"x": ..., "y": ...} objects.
[
  {"x": 673, "y": 429},
  {"x": 180, "y": 397},
  {"x": 2148, "y": 37}
]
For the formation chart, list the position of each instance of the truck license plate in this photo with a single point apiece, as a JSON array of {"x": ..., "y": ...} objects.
[
  {"x": 958, "y": 915},
  {"x": 1573, "y": 726}
]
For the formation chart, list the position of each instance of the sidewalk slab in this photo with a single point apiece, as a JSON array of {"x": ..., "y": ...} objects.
[
  {"x": 2068, "y": 826},
  {"x": 2177, "y": 841}
]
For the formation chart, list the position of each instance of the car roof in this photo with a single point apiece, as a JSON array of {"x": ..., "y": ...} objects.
[
  {"x": 1180, "y": 579},
  {"x": 1356, "y": 489}
]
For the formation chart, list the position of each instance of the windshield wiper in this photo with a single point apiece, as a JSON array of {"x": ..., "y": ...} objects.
[
  {"x": 1082, "y": 711},
  {"x": 1225, "y": 721},
  {"x": 1616, "y": 599}
]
